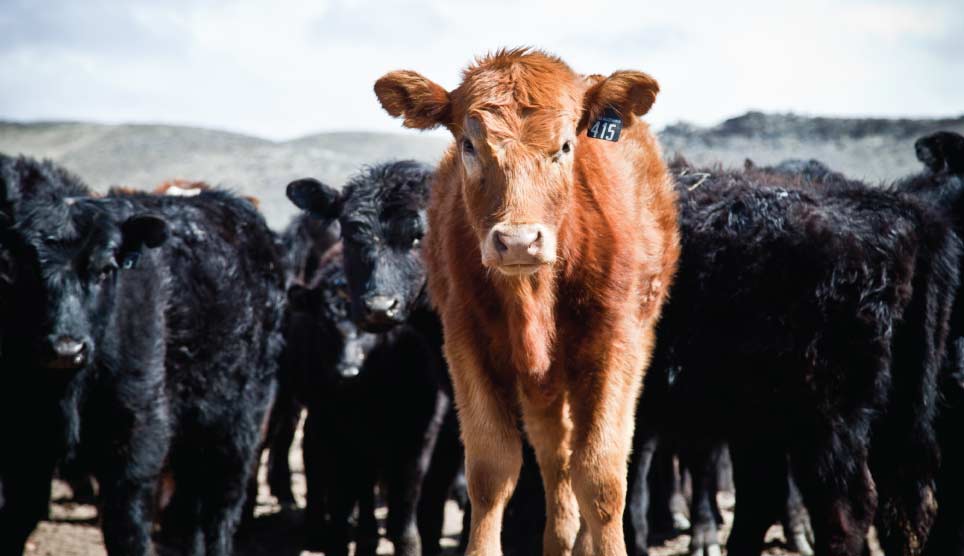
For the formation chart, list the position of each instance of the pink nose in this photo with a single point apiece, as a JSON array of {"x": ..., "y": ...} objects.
[{"x": 518, "y": 245}]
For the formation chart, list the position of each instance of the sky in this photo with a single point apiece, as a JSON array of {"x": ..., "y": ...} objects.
[{"x": 283, "y": 69}]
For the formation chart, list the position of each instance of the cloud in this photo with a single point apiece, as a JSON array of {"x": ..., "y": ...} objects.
[{"x": 283, "y": 69}]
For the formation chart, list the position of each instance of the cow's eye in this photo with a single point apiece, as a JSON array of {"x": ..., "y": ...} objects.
[
  {"x": 416, "y": 242},
  {"x": 565, "y": 149},
  {"x": 467, "y": 147},
  {"x": 130, "y": 261}
]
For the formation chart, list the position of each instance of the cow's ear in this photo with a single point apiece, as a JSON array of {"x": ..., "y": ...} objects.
[
  {"x": 312, "y": 196},
  {"x": 628, "y": 93},
  {"x": 421, "y": 102},
  {"x": 298, "y": 296},
  {"x": 144, "y": 230},
  {"x": 929, "y": 152},
  {"x": 944, "y": 149},
  {"x": 303, "y": 299},
  {"x": 9, "y": 190}
]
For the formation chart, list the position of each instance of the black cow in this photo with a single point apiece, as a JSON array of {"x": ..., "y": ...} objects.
[
  {"x": 808, "y": 319},
  {"x": 147, "y": 333},
  {"x": 305, "y": 243},
  {"x": 382, "y": 216},
  {"x": 322, "y": 369},
  {"x": 942, "y": 183}
]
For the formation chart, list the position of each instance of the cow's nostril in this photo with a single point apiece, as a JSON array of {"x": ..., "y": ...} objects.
[
  {"x": 382, "y": 305},
  {"x": 500, "y": 245},
  {"x": 68, "y": 347},
  {"x": 538, "y": 240},
  {"x": 68, "y": 352}
]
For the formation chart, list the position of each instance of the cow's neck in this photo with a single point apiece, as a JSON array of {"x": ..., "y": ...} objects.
[{"x": 528, "y": 303}]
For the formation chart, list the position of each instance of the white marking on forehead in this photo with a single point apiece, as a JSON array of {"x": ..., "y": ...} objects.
[
  {"x": 177, "y": 191},
  {"x": 70, "y": 201}
]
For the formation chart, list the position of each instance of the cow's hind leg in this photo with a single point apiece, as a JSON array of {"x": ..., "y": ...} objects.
[
  {"x": 639, "y": 498},
  {"x": 317, "y": 447},
  {"x": 226, "y": 479},
  {"x": 366, "y": 534},
  {"x": 841, "y": 497},
  {"x": 796, "y": 521},
  {"x": 759, "y": 474},
  {"x": 701, "y": 457},
  {"x": 281, "y": 435},
  {"x": 549, "y": 429},
  {"x": 446, "y": 463}
]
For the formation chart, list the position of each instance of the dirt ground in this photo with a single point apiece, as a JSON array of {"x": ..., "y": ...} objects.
[{"x": 72, "y": 529}]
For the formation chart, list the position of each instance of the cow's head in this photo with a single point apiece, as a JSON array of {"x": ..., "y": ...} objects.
[
  {"x": 326, "y": 336},
  {"x": 941, "y": 151},
  {"x": 516, "y": 118},
  {"x": 381, "y": 212},
  {"x": 79, "y": 252}
]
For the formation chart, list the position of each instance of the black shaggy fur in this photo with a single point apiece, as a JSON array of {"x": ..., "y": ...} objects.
[
  {"x": 305, "y": 242},
  {"x": 808, "y": 319},
  {"x": 942, "y": 184},
  {"x": 405, "y": 394},
  {"x": 147, "y": 336}
]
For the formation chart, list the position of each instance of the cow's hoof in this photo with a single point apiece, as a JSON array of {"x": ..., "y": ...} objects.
[
  {"x": 799, "y": 533},
  {"x": 705, "y": 541},
  {"x": 408, "y": 545},
  {"x": 680, "y": 522},
  {"x": 709, "y": 550},
  {"x": 800, "y": 543}
]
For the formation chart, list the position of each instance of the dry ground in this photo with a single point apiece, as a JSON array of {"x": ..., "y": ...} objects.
[{"x": 72, "y": 528}]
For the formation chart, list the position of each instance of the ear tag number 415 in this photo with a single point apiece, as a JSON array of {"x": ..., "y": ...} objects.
[{"x": 607, "y": 127}]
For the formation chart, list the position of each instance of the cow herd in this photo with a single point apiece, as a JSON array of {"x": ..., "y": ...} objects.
[{"x": 539, "y": 327}]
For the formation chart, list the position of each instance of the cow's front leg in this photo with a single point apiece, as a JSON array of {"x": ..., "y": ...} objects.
[
  {"x": 549, "y": 429},
  {"x": 603, "y": 408},
  {"x": 493, "y": 449},
  {"x": 24, "y": 497}
]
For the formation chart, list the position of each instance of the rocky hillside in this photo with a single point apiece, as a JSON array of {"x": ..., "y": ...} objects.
[
  {"x": 870, "y": 148},
  {"x": 144, "y": 155}
]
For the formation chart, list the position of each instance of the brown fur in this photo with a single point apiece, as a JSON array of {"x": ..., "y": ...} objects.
[
  {"x": 567, "y": 345},
  {"x": 188, "y": 185}
]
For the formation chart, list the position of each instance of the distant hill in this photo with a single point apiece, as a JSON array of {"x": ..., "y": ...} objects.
[
  {"x": 144, "y": 155},
  {"x": 874, "y": 149}
]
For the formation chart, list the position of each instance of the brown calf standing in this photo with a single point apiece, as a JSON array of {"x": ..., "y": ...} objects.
[{"x": 549, "y": 255}]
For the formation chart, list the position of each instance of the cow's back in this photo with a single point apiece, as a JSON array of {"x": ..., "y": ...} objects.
[{"x": 226, "y": 292}]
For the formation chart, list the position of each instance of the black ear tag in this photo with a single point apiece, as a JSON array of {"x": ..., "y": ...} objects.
[
  {"x": 607, "y": 127},
  {"x": 130, "y": 260}
]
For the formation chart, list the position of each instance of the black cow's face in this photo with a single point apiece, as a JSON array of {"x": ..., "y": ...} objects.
[
  {"x": 382, "y": 217},
  {"x": 78, "y": 252},
  {"x": 333, "y": 339},
  {"x": 383, "y": 262}
]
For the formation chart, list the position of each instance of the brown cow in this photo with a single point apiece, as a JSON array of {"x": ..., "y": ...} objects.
[
  {"x": 549, "y": 254},
  {"x": 188, "y": 188}
]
